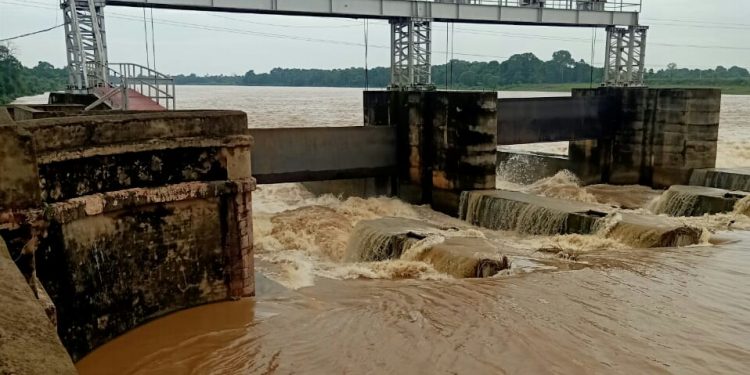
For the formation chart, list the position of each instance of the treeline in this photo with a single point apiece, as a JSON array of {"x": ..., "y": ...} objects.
[
  {"x": 521, "y": 70},
  {"x": 721, "y": 76},
  {"x": 17, "y": 80},
  {"x": 518, "y": 71}
]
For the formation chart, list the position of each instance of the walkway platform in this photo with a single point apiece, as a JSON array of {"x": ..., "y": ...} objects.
[
  {"x": 136, "y": 100},
  {"x": 483, "y": 11}
]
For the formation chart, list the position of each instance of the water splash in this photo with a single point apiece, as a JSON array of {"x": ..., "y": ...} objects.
[
  {"x": 742, "y": 207},
  {"x": 675, "y": 203},
  {"x": 564, "y": 185}
]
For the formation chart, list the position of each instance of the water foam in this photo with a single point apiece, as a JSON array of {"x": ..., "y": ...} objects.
[
  {"x": 300, "y": 236},
  {"x": 742, "y": 207},
  {"x": 563, "y": 185}
]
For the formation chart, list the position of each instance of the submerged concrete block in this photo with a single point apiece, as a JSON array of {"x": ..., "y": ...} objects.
[
  {"x": 445, "y": 249},
  {"x": 722, "y": 178},
  {"x": 647, "y": 231},
  {"x": 526, "y": 213},
  {"x": 681, "y": 200}
]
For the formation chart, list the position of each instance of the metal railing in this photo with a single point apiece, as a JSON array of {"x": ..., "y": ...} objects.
[
  {"x": 590, "y": 5},
  {"x": 148, "y": 82}
]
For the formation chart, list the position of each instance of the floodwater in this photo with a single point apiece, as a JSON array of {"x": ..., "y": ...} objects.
[{"x": 569, "y": 303}]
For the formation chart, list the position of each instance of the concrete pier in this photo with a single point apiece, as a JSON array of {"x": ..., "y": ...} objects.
[
  {"x": 446, "y": 142},
  {"x": 651, "y": 137},
  {"x": 654, "y": 137}
]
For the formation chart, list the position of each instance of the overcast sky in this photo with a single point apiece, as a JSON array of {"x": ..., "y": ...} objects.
[{"x": 691, "y": 33}]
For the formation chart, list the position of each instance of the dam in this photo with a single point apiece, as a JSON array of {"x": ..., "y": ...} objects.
[
  {"x": 275, "y": 230},
  {"x": 153, "y": 210}
]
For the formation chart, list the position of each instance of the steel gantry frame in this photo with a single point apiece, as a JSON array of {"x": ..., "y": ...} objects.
[
  {"x": 410, "y": 22},
  {"x": 411, "y": 53},
  {"x": 624, "y": 64},
  {"x": 85, "y": 39}
]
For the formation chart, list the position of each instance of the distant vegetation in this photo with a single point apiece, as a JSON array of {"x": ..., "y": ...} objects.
[
  {"x": 519, "y": 72},
  {"x": 17, "y": 80}
]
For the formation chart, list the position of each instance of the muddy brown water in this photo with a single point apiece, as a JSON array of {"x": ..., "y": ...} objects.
[
  {"x": 684, "y": 311},
  {"x": 570, "y": 304}
]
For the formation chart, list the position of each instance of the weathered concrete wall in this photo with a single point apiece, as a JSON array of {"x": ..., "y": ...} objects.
[
  {"x": 22, "y": 112},
  {"x": 113, "y": 261},
  {"x": 534, "y": 120},
  {"x": 446, "y": 141},
  {"x": 28, "y": 342},
  {"x": 660, "y": 136},
  {"x": 5, "y": 117},
  {"x": 377, "y": 106},
  {"x": 67, "y": 98},
  {"x": 86, "y": 135},
  {"x": 145, "y": 214},
  {"x": 314, "y": 154},
  {"x": 128, "y": 170},
  {"x": 19, "y": 180}
]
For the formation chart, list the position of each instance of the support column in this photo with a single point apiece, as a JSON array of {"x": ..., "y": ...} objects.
[
  {"x": 85, "y": 43},
  {"x": 624, "y": 64},
  {"x": 411, "y": 50}
]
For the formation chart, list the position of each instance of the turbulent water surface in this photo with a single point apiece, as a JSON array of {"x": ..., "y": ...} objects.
[{"x": 569, "y": 303}]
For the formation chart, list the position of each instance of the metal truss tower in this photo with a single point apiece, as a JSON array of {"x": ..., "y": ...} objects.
[
  {"x": 411, "y": 51},
  {"x": 625, "y": 56},
  {"x": 86, "y": 44}
]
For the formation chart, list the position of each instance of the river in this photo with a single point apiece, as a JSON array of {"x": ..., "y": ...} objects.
[{"x": 597, "y": 306}]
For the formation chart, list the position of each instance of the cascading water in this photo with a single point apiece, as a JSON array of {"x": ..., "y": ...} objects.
[
  {"x": 485, "y": 211},
  {"x": 742, "y": 207},
  {"x": 459, "y": 253},
  {"x": 675, "y": 203}
]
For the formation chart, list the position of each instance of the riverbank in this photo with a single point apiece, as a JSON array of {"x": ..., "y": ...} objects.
[
  {"x": 566, "y": 87},
  {"x": 539, "y": 87}
]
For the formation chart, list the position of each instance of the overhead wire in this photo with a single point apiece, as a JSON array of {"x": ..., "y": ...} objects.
[
  {"x": 367, "y": 31},
  {"x": 591, "y": 65},
  {"x": 145, "y": 37},
  {"x": 453, "y": 40},
  {"x": 30, "y": 34},
  {"x": 447, "y": 39},
  {"x": 153, "y": 38}
]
